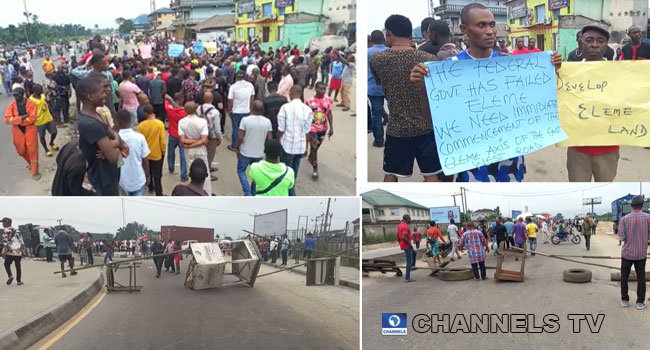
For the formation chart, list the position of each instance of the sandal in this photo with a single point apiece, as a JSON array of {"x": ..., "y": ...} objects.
[
  {"x": 54, "y": 147},
  {"x": 49, "y": 154}
]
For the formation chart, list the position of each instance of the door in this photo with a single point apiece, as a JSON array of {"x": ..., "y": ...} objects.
[
  {"x": 540, "y": 42},
  {"x": 266, "y": 32}
]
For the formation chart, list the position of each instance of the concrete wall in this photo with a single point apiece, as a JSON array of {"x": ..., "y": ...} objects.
[
  {"x": 338, "y": 11},
  {"x": 316, "y": 7},
  {"x": 214, "y": 35},
  {"x": 567, "y": 41},
  {"x": 389, "y": 229},
  {"x": 624, "y": 13},
  {"x": 592, "y": 9}
]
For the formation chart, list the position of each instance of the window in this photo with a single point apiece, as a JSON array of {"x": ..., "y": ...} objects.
[
  {"x": 540, "y": 13},
  {"x": 394, "y": 211},
  {"x": 512, "y": 21},
  {"x": 266, "y": 10},
  {"x": 280, "y": 33},
  {"x": 251, "y": 33},
  {"x": 266, "y": 31},
  {"x": 556, "y": 14},
  {"x": 240, "y": 33},
  {"x": 281, "y": 9}
]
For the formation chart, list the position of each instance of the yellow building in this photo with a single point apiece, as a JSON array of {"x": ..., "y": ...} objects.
[
  {"x": 279, "y": 22},
  {"x": 261, "y": 19},
  {"x": 538, "y": 19}
]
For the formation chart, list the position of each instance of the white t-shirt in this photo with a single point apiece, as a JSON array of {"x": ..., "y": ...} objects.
[
  {"x": 132, "y": 177},
  {"x": 453, "y": 232},
  {"x": 257, "y": 128},
  {"x": 250, "y": 67},
  {"x": 240, "y": 93},
  {"x": 193, "y": 127}
]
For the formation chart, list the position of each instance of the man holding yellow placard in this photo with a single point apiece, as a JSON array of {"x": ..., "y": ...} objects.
[{"x": 585, "y": 162}]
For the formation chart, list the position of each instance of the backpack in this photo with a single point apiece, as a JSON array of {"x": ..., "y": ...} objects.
[{"x": 212, "y": 129}]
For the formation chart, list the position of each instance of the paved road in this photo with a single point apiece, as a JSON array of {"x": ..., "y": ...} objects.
[
  {"x": 337, "y": 160},
  {"x": 546, "y": 165},
  {"x": 543, "y": 292},
  {"x": 280, "y": 311}
]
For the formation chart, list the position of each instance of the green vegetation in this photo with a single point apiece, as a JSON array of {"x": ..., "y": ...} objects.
[
  {"x": 38, "y": 32},
  {"x": 375, "y": 239}
]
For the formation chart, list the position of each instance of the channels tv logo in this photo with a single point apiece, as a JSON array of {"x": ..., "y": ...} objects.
[{"x": 393, "y": 324}]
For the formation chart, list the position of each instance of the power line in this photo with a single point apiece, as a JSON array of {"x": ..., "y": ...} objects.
[{"x": 540, "y": 194}]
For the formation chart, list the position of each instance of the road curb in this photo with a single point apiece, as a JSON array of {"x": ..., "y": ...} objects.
[
  {"x": 397, "y": 256},
  {"x": 28, "y": 332},
  {"x": 345, "y": 283}
]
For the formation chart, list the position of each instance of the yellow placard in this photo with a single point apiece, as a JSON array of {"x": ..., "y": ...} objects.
[
  {"x": 605, "y": 103},
  {"x": 210, "y": 47}
]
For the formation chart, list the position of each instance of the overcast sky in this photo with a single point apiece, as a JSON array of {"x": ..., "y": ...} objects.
[
  {"x": 416, "y": 11},
  {"x": 86, "y": 13},
  {"x": 552, "y": 198},
  {"x": 225, "y": 215}
]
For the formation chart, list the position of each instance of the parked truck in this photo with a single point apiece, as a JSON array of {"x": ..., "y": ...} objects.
[
  {"x": 186, "y": 233},
  {"x": 33, "y": 237},
  {"x": 622, "y": 207}
]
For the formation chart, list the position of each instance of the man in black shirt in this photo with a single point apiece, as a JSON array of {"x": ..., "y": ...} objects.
[
  {"x": 70, "y": 172},
  {"x": 501, "y": 234},
  {"x": 174, "y": 83},
  {"x": 431, "y": 46},
  {"x": 62, "y": 103},
  {"x": 272, "y": 104},
  {"x": 635, "y": 49},
  {"x": 577, "y": 54},
  {"x": 100, "y": 145}
]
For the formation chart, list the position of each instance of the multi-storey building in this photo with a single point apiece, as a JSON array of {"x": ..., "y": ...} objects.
[
  {"x": 191, "y": 12},
  {"x": 449, "y": 11},
  {"x": 277, "y": 23}
]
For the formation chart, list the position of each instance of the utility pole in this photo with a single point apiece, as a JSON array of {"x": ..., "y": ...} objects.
[
  {"x": 60, "y": 222},
  {"x": 123, "y": 213},
  {"x": 298, "y": 226},
  {"x": 316, "y": 225},
  {"x": 327, "y": 214},
  {"x": 27, "y": 14}
]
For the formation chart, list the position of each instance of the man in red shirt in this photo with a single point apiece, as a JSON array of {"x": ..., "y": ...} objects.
[
  {"x": 599, "y": 162},
  {"x": 404, "y": 238},
  {"x": 519, "y": 47},
  {"x": 175, "y": 112},
  {"x": 532, "y": 47}
]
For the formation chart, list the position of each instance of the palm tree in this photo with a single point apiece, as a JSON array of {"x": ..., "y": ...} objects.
[{"x": 35, "y": 18}]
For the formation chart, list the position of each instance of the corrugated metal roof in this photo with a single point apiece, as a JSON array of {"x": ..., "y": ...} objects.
[
  {"x": 381, "y": 198},
  {"x": 216, "y": 21},
  {"x": 141, "y": 20}
]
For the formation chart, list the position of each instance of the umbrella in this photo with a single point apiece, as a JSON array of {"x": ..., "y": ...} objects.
[{"x": 143, "y": 238}]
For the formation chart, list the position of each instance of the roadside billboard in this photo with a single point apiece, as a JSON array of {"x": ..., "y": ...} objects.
[
  {"x": 271, "y": 224},
  {"x": 442, "y": 215},
  {"x": 516, "y": 213}
]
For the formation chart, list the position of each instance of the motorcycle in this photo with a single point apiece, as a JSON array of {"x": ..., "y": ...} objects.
[{"x": 565, "y": 236}]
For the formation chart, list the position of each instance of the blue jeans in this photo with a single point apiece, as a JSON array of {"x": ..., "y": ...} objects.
[
  {"x": 171, "y": 156},
  {"x": 409, "y": 262},
  {"x": 139, "y": 192},
  {"x": 108, "y": 256},
  {"x": 7, "y": 85},
  {"x": 533, "y": 244},
  {"x": 242, "y": 163},
  {"x": 292, "y": 161},
  {"x": 236, "y": 120},
  {"x": 378, "y": 115}
]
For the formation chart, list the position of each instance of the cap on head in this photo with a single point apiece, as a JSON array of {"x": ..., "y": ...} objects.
[
  {"x": 597, "y": 27},
  {"x": 6, "y": 220},
  {"x": 638, "y": 200},
  {"x": 18, "y": 91}
]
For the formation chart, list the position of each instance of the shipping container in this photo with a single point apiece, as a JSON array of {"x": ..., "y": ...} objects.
[{"x": 185, "y": 233}]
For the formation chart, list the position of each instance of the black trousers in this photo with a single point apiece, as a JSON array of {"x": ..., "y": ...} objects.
[
  {"x": 91, "y": 258},
  {"x": 62, "y": 106},
  {"x": 626, "y": 266},
  {"x": 155, "y": 173},
  {"x": 588, "y": 241},
  {"x": 160, "y": 112},
  {"x": 48, "y": 254},
  {"x": 16, "y": 260},
  {"x": 475, "y": 269},
  {"x": 158, "y": 261}
]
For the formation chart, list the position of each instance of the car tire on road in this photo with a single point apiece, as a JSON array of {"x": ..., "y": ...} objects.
[
  {"x": 576, "y": 276},
  {"x": 460, "y": 275}
]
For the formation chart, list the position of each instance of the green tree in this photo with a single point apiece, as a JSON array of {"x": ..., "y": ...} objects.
[
  {"x": 126, "y": 26},
  {"x": 133, "y": 230},
  {"x": 67, "y": 228}
]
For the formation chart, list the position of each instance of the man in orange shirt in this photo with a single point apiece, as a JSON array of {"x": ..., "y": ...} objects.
[
  {"x": 21, "y": 115},
  {"x": 434, "y": 232}
]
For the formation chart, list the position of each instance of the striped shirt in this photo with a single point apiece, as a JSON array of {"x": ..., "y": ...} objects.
[
  {"x": 294, "y": 120},
  {"x": 634, "y": 230},
  {"x": 474, "y": 242}
]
